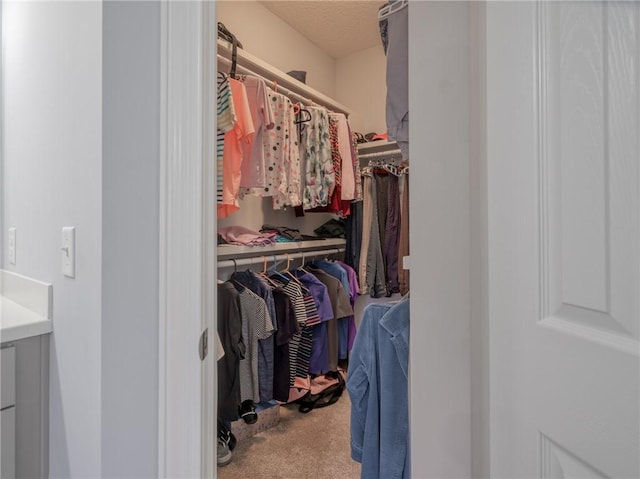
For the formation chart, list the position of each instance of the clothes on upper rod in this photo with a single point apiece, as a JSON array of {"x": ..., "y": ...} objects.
[
  {"x": 265, "y": 155},
  {"x": 236, "y": 141},
  {"x": 382, "y": 243},
  {"x": 395, "y": 37}
]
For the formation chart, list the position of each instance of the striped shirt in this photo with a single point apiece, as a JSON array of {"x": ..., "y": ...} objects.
[{"x": 225, "y": 120}]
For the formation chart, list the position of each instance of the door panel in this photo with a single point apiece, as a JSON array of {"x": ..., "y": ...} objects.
[{"x": 564, "y": 238}]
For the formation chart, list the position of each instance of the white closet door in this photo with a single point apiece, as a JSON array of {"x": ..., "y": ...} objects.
[{"x": 564, "y": 243}]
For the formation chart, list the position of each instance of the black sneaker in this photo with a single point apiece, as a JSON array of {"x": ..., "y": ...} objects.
[
  {"x": 228, "y": 438},
  {"x": 247, "y": 412},
  {"x": 224, "y": 453}
]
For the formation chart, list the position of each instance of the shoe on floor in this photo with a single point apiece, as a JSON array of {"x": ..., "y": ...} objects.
[
  {"x": 224, "y": 453},
  {"x": 228, "y": 438},
  {"x": 247, "y": 412}
]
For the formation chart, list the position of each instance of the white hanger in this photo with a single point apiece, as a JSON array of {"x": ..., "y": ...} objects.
[{"x": 392, "y": 7}]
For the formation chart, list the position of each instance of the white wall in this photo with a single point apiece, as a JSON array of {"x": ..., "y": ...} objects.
[
  {"x": 480, "y": 467},
  {"x": 274, "y": 41},
  {"x": 361, "y": 84},
  {"x": 440, "y": 367},
  {"x": 52, "y": 178},
  {"x": 130, "y": 248},
  {"x": 81, "y": 148}
]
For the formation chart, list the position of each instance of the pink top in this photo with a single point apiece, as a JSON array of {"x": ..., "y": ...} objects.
[
  {"x": 235, "y": 142},
  {"x": 253, "y": 164}
]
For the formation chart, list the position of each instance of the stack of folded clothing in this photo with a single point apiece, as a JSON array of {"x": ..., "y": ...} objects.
[
  {"x": 286, "y": 234},
  {"x": 239, "y": 235}
]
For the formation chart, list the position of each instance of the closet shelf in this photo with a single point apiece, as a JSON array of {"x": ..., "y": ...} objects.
[
  {"x": 380, "y": 146},
  {"x": 226, "y": 252},
  {"x": 270, "y": 73}
]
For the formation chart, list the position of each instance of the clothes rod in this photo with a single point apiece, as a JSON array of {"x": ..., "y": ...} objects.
[
  {"x": 380, "y": 154},
  {"x": 271, "y": 259},
  {"x": 270, "y": 73},
  {"x": 285, "y": 91}
]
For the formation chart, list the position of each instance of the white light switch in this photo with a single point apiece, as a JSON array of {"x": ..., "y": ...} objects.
[
  {"x": 69, "y": 251},
  {"x": 12, "y": 246}
]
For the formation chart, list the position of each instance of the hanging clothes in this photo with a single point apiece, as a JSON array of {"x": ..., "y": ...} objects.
[
  {"x": 266, "y": 346},
  {"x": 319, "y": 359},
  {"x": 226, "y": 119},
  {"x": 287, "y": 328},
  {"x": 337, "y": 270},
  {"x": 256, "y": 326},
  {"x": 341, "y": 309},
  {"x": 230, "y": 332},
  {"x": 396, "y": 36},
  {"x": 343, "y": 141},
  {"x": 235, "y": 142},
  {"x": 319, "y": 172},
  {"x": 283, "y": 174},
  {"x": 378, "y": 387},
  {"x": 392, "y": 234},
  {"x": 403, "y": 246},
  {"x": 367, "y": 218},
  {"x": 354, "y": 290},
  {"x": 376, "y": 280},
  {"x": 253, "y": 160}
]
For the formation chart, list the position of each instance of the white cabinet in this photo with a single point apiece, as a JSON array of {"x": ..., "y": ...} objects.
[{"x": 8, "y": 413}]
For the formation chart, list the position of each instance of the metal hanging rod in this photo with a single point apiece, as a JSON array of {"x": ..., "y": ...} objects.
[
  {"x": 251, "y": 65},
  {"x": 380, "y": 154},
  {"x": 271, "y": 259}
]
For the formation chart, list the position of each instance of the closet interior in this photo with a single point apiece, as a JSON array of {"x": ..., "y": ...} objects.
[{"x": 312, "y": 201}]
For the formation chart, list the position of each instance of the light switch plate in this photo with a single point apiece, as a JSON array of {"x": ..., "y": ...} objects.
[
  {"x": 12, "y": 246},
  {"x": 69, "y": 251}
]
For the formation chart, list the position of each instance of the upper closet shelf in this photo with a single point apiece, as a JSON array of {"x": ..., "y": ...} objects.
[
  {"x": 251, "y": 65},
  {"x": 235, "y": 251}
]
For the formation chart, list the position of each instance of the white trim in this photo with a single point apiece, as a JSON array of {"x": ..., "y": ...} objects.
[
  {"x": 181, "y": 261},
  {"x": 210, "y": 234}
]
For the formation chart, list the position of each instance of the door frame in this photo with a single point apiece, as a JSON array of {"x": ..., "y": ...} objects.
[
  {"x": 182, "y": 439},
  {"x": 187, "y": 388}
]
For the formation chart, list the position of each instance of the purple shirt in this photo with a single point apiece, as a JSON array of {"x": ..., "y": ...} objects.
[
  {"x": 319, "y": 292},
  {"x": 354, "y": 290},
  {"x": 319, "y": 361}
]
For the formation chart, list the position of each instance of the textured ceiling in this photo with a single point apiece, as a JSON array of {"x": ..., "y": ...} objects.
[{"x": 339, "y": 27}]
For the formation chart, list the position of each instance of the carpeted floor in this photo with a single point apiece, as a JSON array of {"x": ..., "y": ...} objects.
[{"x": 315, "y": 444}]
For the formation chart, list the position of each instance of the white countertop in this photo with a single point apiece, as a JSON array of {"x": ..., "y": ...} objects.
[
  {"x": 18, "y": 322},
  {"x": 25, "y": 307}
]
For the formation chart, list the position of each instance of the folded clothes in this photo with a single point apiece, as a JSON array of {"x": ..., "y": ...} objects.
[
  {"x": 334, "y": 228},
  {"x": 290, "y": 233},
  {"x": 239, "y": 235}
]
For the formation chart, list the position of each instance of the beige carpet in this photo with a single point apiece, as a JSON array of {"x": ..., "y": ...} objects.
[{"x": 300, "y": 446}]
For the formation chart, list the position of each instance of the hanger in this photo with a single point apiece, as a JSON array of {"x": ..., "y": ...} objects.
[
  {"x": 264, "y": 274},
  {"x": 303, "y": 116},
  {"x": 289, "y": 273},
  {"x": 301, "y": 267},
  {"x": 391, "y": 8}
]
